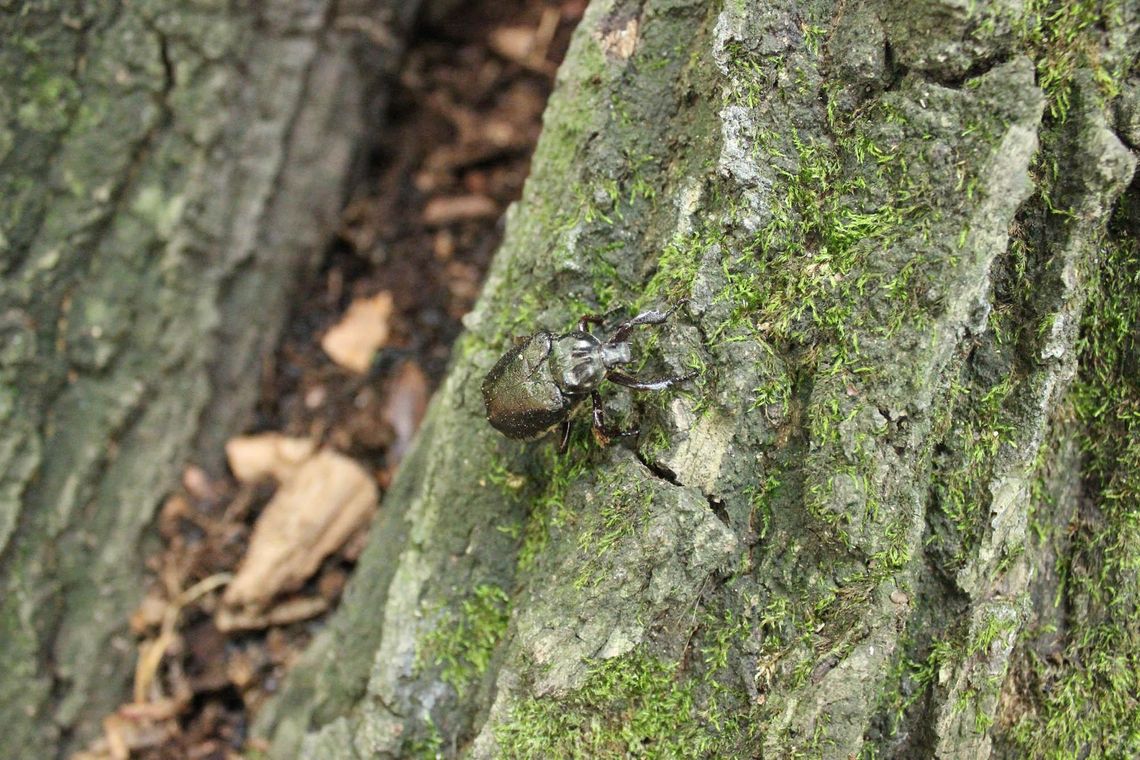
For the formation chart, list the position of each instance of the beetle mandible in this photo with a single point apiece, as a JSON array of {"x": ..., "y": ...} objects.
[{"x": 536, "y": 384}]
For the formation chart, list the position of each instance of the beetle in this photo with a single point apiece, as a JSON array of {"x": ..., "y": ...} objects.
[{"x": 537, "y": 384}]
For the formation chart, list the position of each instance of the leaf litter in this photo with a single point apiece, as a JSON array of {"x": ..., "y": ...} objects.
[{"x": 252, "y": 559}]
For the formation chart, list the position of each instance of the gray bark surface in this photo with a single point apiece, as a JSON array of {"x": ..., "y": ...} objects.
[
  {"x": 167, "y": 170},
  {"x": 884, "y": 218}
]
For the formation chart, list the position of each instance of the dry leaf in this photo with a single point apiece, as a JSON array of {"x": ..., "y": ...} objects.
[
  {"x": 163, "y": 709},
  {"x": 524, "y": 45},
  {"x": 514, "y": 43},
  {"x": 255, "y": 457},
  {"x": 149, "y": 613},
  {"x": 198, "y": 484},
  {"x": 312, "y": 514},
  {"x": 353, "y": 341},
  {"x": 404, "y": 408}
]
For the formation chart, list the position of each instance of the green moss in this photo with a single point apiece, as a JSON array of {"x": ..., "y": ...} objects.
[
  {"x": 754, "y": 76},
  {"x": 982, "y": 424},
  {"x": 47, "y": 100},
  {"x": 558, "y": 471},
  {"x": 1085, "y": 703},
  {"x": 800, "y": 278},
  {"x": 1063, "y": 37},
  {"x": 463, "y": 644},
  {"x": 625, "y": 510},
  {"x": 428, "y": 747},
  {"x": 944, "y": 657},
  {"x": 635, "y": 705},
  {"x": 761, "y": 498},
  {"x": 679, "y": 264},
  {"x": 814, "y": 35}
]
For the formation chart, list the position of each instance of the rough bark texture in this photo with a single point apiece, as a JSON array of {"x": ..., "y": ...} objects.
[
  {"x": 166, "y": 171},
  {"x": 885, "y": 218}
]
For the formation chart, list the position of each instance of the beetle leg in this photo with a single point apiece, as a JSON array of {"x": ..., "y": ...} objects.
[
  {"x": 647, "y": 385},
  {"x": 586, "y": 320},
  {"x": 651, "y": 317},
  {"x": 603, "y": 432},
  {"x": 565, "y": 436}
]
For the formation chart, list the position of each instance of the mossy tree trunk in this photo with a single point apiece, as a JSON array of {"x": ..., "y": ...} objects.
[
  {"x": 886, "y": 220},
  {"x": 166, "y": 172}
]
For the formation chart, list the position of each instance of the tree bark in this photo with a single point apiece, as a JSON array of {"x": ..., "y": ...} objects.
[
  {"x": 166, "y": 173},
  {"x": 884, "y": 221}
]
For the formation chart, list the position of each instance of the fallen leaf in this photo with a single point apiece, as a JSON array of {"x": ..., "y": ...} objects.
[
  {"x": 514, "y": 43},
  {"x": 256, "y": 457},
  {"x": 404, "y": 408},
  {"x": 457, "y": 208},
  {"x": 313, "y": 513},
  {"x": 524, "y": 46},
  {"x": 353, "y": 341},
  {"x": 197, "y": 483}
]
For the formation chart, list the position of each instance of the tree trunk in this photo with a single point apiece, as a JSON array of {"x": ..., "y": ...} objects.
[
  {"x": 166, "y": 172},
  {"x": 885, "y": 220}
]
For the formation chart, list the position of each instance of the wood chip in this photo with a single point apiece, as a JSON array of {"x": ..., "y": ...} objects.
[
  {"x": 362, "y": 330},
  {"x": 457, "y": 208},
  {"x": 313, "y": 513}
]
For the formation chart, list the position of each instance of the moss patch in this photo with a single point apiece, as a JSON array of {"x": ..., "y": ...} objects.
[
  {"x": 463, "y": 644},
  {"x": 1065, "y": 36},
  {"x": 630, "y": 706},
  {"x": 1085, "y": 702}
]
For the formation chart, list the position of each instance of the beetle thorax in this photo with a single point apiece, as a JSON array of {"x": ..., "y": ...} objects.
[{"x": 578, "y": 361}]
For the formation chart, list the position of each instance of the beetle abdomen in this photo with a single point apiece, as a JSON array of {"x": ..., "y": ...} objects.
[{"x": 519, "y": 392}]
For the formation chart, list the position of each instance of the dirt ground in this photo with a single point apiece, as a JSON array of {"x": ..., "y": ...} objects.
[{"x": 236, "y": 592}]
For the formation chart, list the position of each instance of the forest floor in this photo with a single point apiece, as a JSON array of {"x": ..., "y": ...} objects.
[{"x": 415, "y": 242}]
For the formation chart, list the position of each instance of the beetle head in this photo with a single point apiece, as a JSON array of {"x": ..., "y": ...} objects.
[{"x": 578, "y": 362}]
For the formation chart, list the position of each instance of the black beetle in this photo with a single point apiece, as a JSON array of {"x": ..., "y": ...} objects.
[{"x": 536, "y": 385}]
